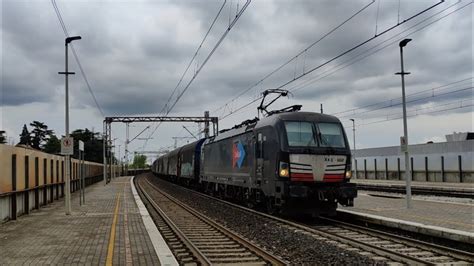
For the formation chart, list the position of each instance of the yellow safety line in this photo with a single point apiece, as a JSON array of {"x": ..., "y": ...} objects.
[{"x": 110, "y": 250}]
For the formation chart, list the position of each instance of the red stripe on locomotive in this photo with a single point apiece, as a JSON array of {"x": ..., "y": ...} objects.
[
  {"x": 333, "y": 177},
  {"x": 302, "y": 177}
]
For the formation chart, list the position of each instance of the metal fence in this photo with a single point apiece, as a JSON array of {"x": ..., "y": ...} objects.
[{"x": 435, "y": 162}]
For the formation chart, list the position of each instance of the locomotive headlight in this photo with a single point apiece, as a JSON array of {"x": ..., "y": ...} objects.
[
  {"x": 284, "y": 171},
  {"x": 348, "y": 174},
  {"x": 348, "y": 171}
]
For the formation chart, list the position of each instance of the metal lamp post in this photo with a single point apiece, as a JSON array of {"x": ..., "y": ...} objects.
[
  {"x": 67, "y": 163},
  {"x": 112, "y": 160},
  {"x": 120, "y": 160},
  {"x": 404, "y": 140},
  {"x": 354, "y": 151}
]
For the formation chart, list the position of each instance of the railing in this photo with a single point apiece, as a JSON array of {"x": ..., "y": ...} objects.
[
  {"x": 30, "y": 179},
  {"x": 423, "y": 168}
]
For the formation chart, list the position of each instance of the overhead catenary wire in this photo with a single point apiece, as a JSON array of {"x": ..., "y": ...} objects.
[
  {"x": 356, "y": 58},
  {"x": 218, "y": 43},
  {"x": 415, "y": 112},
  {"x": 391, "y": 104},
  {"x": 339, "y": 56},
  {"x": 165, "y": 110},
  {"x": 76, "y": 57},
  {"x": 244, "y": 7},
  {"x": 195, "y": 55},
  {"x": 295, "y": 56},
  {"x": 359, "y": 45},
  {"x": 361, "y": 55},
  {"x": 352, "y": 110}
]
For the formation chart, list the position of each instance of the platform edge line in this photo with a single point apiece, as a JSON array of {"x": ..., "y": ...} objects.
[
  {"x": 437, "y": 231},
  {"x": 162, "y": 250}
]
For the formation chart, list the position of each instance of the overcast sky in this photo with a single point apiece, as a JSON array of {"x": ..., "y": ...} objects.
[{"x": 134, "y": 53}]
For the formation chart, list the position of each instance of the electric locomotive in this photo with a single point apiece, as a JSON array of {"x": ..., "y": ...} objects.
[
  {"x": 289, "y": 162},
  {"x": 294, "y": 162}
]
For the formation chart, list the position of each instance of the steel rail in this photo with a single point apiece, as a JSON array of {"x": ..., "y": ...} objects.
[
  {"x": 390, "y": 254},
  {"x": 265, "y": 255},
  {"x": 458, "y": 254},
  {"x": 191, "y": 247}
]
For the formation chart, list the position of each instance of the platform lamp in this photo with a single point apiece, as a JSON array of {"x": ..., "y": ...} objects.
[
  {"x": 354, "y": 151},
  {"x": 404, "y": 139},
  {"x": 67, "y": 41}
]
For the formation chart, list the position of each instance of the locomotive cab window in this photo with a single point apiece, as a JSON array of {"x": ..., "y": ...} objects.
[
  {"x": 300, "y": 134},
  {"x": 330, "y": 135}
]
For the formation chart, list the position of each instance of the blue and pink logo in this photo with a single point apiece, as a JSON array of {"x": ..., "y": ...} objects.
[{"x": 238, "y": 154}]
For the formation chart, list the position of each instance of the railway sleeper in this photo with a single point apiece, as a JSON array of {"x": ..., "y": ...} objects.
[
  {"x": 220, "y": 245},
  {"x": 237, "y": 259},
  {"x": 207, "y": 243},
  {"x": 228, "y": 254},
  {"x": 380, "y": 258},
  {"x": 381, "y": 242},
  {"x": 406, "y": 250},
  {"x": 393, "y": 246},
  {"x": 203, "y": 234},
  {"x": 443, "y": 259},
  {"x": 213, "y": 242},
  {"x": 421, "y": 254},
  {"x": 210, "y": 250},
  {"x": 211, "y": 237},
  {"x": 195, "y": 227},
  {"x": 176, "y": 245},
  {"x": 366, "y": 253},
  {"x": 366, "y": 239},
  {"x": 183, "y": 255}
]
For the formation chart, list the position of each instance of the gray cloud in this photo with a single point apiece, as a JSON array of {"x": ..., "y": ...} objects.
[{"x": 135, "y": 53}]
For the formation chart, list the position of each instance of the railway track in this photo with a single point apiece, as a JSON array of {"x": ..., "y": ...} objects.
[
  {"x": 378, "y": 245},
  {"x": 396, "y": 247},
  {"x": 197, "y": 240}
]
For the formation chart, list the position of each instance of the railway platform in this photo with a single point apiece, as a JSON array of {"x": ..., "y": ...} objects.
[
  {"x": 110, "y": 228},
  {"x": 431, "y": 216},
  {"x": 459, "y": 190}
]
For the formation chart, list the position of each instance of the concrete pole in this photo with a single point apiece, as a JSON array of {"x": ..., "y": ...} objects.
[
  {"x": 354, "y": 151},
  {"x": 67, "y": 163},
  {"x": 83, "y": 180},
  {"x": 114, "y": 172},
  {"x": 127, "y": 132},
  {"x": 111, "y": 160},
  {"x": 67, "y": 157},
  {"x": 120, "y": 161},
  {"x": 80, "y": 178},
  {"x": 104, "y": 142},
  {"x": 405, "y": 129}
]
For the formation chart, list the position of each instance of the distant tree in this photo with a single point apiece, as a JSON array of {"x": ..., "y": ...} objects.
[
  {"x": 139, "y": 161},
  {"x": 25, "y": 138},
  {"x": 40, "y": 134},
  {"x": 93, "y": 145},
  {"x": 3, "y": 139},
  {"x": 52, "y": 145}
]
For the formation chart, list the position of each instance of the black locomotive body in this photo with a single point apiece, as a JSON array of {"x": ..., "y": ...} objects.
[{"x": 294, "y": 162}]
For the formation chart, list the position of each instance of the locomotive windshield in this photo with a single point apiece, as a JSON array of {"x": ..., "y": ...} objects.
[
  {"x": 309, "y": 134},
  {"x": 300, "y": 134},
  {"x": 330, "y": 135}
]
